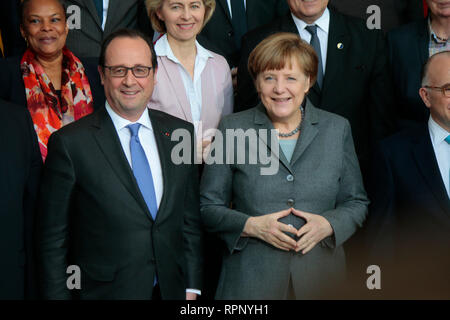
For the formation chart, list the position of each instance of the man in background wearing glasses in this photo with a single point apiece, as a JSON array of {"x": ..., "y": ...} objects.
[
  {"x": 409, "y": 221},
  {"x": 113, "y": 204}
]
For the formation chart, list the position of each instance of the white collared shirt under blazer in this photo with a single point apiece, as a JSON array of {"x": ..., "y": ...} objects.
[{"x": 204, "y": 100}]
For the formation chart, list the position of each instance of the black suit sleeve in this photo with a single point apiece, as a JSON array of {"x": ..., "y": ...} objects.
[
  {"x": 29, "y": 201},
  {"x": 246, "y": 97},
  {"x": 98, "y": 92},
  {"x": 282, "y": 8},
  {"x": 192, "y": 231},
  {"x": 143, "y": 21},
  {"x": 58, "y": 183},
  {"x": 13, "y": 43},
  {"x": 381, "y": 110}
]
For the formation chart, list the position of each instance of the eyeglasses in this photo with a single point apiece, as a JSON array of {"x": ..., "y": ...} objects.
[
  {"x": 445, "y": 90},
  {"x": 121, "y": 71}
]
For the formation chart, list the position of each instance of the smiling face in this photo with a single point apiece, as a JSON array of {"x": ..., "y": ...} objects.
[
  {"x": 128, "y": 96},
  {"x": 183, "y": 18},
  {"x": 282, "y": 91},
  {"x": 44, "y": 27},
  {"x": 439, "y": 8},
  {"x": 308, "y": 10}
]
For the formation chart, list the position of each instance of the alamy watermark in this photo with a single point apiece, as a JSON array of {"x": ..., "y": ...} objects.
[{"x": 236, "y": 146}]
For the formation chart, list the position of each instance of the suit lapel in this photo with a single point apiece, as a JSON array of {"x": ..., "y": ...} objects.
[
  {"x": 116, "y": 10},
  {"x": 164, "y": 144},
  {"x": 90, "y": 6},
  {"x": 224, "y": 6},
  {"x": 262, "y": 121},
  {"x": 308, "y": 132},
  {"x": 288, "y": 24},
  {"x": 335, "y": 67},
  {"x": 428, "y": 166},
  {"x": 109, "y": 143},
  {"x": 174, "y": 77}
]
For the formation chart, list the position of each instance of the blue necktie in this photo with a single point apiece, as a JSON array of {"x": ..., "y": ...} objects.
[
  {"x": 238, "y": 20},
  {"x": 315, "y": 43},
  {"x": 99, "y": 7},
  {"x": 141, "y": 170}
]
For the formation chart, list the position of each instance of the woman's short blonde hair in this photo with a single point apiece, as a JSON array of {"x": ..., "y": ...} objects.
[
  {"x": 277, "y": 50},
  {"x": 158, "y": 25}
]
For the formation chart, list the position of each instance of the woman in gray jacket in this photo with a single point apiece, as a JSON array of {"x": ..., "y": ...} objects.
[{"x": 282, "y": 186}]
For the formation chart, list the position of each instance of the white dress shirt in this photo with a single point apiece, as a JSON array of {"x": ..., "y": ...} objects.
[
  {"x": 193, "y": 87},
  {"x": 148, "y": 142},
  {"x": 441, "y": 150},
  {"x": 229, "y": 6},
  {"x": 323, "y": 24}
]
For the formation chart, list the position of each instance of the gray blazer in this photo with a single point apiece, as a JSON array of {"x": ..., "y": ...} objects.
[
  {"x": 323, "y": 178},
  {"x": 86, "y": 41}
]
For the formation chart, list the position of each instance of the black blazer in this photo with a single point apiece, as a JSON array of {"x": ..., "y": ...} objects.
[
  {"x": 93, "y": 215},
  {"x": 12, "y": 88},
  {"x": 393, "y": 12},
  {"x": 218, "y": 34},
  {"x": 13, "y": 43},
  {"x": 356, "y": 85},
  {"x": 408, "y": 52},
  {"x": 20, "y": 167},
  {"x": 409, "y": 217}
]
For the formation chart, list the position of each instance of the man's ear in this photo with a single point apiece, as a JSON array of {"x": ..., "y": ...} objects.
[
  {"x": 424, "y": 94},
  {"x": 100, "y": 71}
]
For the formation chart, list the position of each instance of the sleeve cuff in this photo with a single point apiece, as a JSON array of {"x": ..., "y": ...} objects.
[{"x": 198, "y": 292}]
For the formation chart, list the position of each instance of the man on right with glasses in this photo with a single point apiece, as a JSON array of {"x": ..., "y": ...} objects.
[{"x": 409, "y": 219}]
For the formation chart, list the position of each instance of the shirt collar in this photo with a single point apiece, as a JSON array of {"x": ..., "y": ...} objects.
[
  {"x": 437, "y": 133},
  {"x": 433, "y": 36},
  {"x": 323, "y": 22},
  {"x": 162, "y": 48},
  {"x": 120, "y": 123}
]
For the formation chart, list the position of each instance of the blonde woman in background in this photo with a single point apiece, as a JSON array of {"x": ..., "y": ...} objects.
[{"x": 192, "y": 83}]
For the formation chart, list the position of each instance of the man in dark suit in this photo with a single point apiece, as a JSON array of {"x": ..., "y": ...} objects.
[
  {"x": 113, "y": 202},
  {"x": 410, "y": 46},
  {"x": 409, "y": 218},
  {"x": 220, "y": 34},
  {"x": 353, "y": 66},
  {"x": 20, "y": 168},
  {"x": 392, "y": 13},
  {"x": 97, "y": 22}
]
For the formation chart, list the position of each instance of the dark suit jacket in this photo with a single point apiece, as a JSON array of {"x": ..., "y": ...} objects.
[
  {"x": 393, "y": 12},
  {"x": 356, "y": 85},
  {"x": 408, "y": 52},
  {"x": 409, "y": 217},
  {"x": 253, "y": 269},
  {"x": 12, "y": 88},
  {"x": 20, "y": 167},
  {"x": 86, "y": 41},
  {"x": 218, "y": 34},
  {"x": 93, "y": 215},
  {"x": 13, "y": 43}
]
